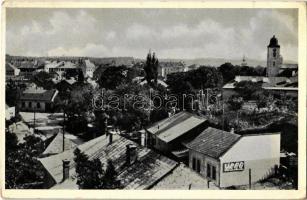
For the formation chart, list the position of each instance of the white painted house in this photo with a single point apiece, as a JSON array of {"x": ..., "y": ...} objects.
[
  {"x": 229, "y": 159},
  {"x": 9, "y": 112}
]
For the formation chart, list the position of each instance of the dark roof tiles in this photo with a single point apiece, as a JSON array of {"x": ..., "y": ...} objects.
[{"x": 213, "y": 142}]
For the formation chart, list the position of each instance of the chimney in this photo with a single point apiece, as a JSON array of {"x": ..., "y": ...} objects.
[
  {"x": 232, "y": 130},
  {"x": 131, "y": 155},
  {"x": 65, "y": 169},
  {"x": 143, "y": 139},
  {"x": 110, "y": 138}
]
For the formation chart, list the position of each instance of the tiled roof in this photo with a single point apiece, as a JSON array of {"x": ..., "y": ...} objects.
[
  {"x": 267, "y": 82},
  {"x": 213, "y": 142},
  {"x": 149, "y": 168},
  {"x": 175, "y": 126},
  {"x": 56, "y": 145},
  {"x": 48, "y": 95}
]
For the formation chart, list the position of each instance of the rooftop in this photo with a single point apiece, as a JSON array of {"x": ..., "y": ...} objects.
[
  {"x": 183, "y": 178},
  {"x": 213, "y": 142},
  {"x": 39, "y": 95},
  {"x": 56, "y": 145},
  {"x": 289, "y": 83},
  {"x": 10, "y": 67},
  {"x": 147, "y": 170},
  {"x": 175, "y": 126}
]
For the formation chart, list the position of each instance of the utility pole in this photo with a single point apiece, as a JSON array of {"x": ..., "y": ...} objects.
[
  {"x": 223, "y": 115},
  {"x": 34, "y": 122},
  {"x": 63, "y": 130}
]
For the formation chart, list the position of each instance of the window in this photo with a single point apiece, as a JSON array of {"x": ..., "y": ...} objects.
[
  {"x": 23, "y": 104},
  {"x": 213, "y": 173},
  {"x": 274, "y": 53},
  {"x": 30, "y": 104},
  {"x": 198, "y": 166},
  {"x": 38, "y": 105},
  {"x": 274, "y": 63},
  {"x": 208, "y": 170},
  {"x": 194, "y": 164}
]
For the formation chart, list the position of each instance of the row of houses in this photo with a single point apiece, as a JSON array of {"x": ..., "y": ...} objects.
[
  {"x": 224, "y": 158},
  {"x": 138, "y": 167},
  {"x": 28, "y": 69},
  {"x": 214, "y": 159}
]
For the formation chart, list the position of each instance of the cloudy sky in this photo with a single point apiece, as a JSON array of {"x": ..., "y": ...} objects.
[{"x": 171, "y": 33}]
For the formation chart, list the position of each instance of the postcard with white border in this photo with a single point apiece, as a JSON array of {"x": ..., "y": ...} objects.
[{"x": 153, "y": 100}]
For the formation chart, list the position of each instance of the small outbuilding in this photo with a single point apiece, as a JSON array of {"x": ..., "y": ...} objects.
[{"x": 168, "y": 134}]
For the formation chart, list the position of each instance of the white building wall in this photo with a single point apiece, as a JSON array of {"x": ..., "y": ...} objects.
[
  {"x": 204, "y": 160},
  {"x": 260, "y": 153},
  {"x": 9, "y": 113}
]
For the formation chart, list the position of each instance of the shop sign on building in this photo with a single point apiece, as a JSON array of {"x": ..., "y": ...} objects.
[{"x": 233, "y": 166}]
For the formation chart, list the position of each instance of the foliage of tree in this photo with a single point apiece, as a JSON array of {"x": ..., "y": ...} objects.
[
  {"x": 22, "y": 169},
  {"x": 112, "y": 77},
  {"x": 133, "y": 106},
  {"x": 110, "y": 177},
  {"x": 12, "y": 94},
  {"x": 80, "y": 76},
  {"x": 43, "y": 79},
  {"x": 205, "y": 77},
  {"x": 235, "y": 102},
  {"x": 247, "y": 89},
  {"x": 151, "y": 69},
  {"x": 72, "y": 73},
  {"x": 229, "y": 71},
  {"x": 91, "y": 175}
]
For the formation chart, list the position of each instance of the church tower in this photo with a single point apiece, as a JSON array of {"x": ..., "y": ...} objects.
[
  {"x": 244, "y": 63},
  {"x": 274, "y": 59}
]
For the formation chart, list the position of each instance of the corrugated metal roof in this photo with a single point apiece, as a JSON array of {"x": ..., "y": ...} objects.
[
  {"x": 213, "y": 142},
  {"x": 175, "y": 126},
  {"x": 149, "y": 168}
]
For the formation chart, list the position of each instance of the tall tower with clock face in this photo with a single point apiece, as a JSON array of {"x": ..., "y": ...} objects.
[{"x": 274, "y": 59}]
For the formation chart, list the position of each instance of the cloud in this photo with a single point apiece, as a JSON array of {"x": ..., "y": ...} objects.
[{"x": 88, "y": 33}]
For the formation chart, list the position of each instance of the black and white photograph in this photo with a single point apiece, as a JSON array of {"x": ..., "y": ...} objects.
[{"x": 151, "y": 98}]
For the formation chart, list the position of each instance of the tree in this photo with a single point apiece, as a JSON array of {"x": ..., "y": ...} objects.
[
  {"x": 89, "y": 172},
  {"x": 246, "y": 89},
  {"x": 91, "y": 175},
  {"x": 110, "y": 177},
  {"x": 228, "y": 72},
  {"x": 44, "y": 80},
  {"x": 80, "y": 76},
  {"x": 205, "y": 77},
  {"x": 151, "y": 69},
  {"x": 235, "y": 102},
  {"x": 112, "y": 77},
  {"x": 22, "y": 169}
]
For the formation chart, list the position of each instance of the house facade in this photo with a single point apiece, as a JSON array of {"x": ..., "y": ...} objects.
[
  {"x": 37, "y": 99},
  {"x": 9, "y": 112},
  {"x": 166, "y": 68},
  {"x": 88, "y": 69}
]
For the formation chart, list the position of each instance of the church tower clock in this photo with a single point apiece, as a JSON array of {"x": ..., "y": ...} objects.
[{"x": 274, "y": 59}]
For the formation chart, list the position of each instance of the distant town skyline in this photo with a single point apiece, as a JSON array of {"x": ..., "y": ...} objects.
[{"x": 171, "y": 33}]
